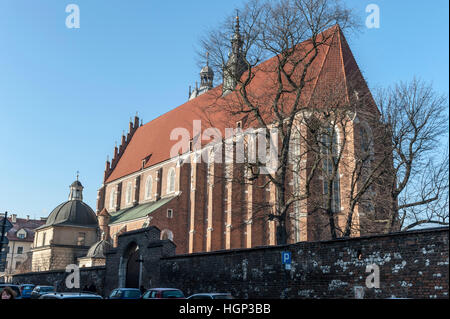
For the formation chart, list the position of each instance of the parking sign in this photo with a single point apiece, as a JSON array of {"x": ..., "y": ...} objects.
[{"x": 286, "y": 258}]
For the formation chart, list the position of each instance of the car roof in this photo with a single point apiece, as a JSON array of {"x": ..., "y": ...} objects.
[
  {"x": 164, "y": 289},
  {"x": 127, "y": 289},
  {"x": 212, "y": 293},
  {"x": 71, "y": 294}
]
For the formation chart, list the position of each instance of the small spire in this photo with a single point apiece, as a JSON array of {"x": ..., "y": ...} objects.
[
  {"x": 78, "y": 175},
  {"x": 237, "y": 26},
  {"x": 207, "y": 58},
  {"x": 76, "y": 190}
]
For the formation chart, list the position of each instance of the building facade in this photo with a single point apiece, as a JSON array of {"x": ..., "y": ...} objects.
[
  {"x": 194, "y": 203},
  {"x": 68, "y": 233},
  {"x": 21, "y": 238}
]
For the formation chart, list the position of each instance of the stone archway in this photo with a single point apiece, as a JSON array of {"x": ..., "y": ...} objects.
[{"x": 130, "y": 272}]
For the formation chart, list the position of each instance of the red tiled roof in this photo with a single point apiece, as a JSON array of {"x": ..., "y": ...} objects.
[
  {"x": 28, "y": 225},
  {"x": 334, "y": 64}
]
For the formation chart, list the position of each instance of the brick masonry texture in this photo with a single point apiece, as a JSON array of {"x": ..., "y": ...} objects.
[
  {"x": 412, "y": 265},
  {"x": 57, "y": 278}
]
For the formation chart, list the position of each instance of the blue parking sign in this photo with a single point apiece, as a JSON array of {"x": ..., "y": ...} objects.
[{"x": 286, "y": 257}]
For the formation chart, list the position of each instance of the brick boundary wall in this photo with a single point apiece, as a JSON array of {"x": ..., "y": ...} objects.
[
  {"x": 412, "y": 265},
  {"x": 57, "y": 278}
]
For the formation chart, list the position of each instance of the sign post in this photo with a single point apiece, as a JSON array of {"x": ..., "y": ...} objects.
[{"x": 5, "y": 226}]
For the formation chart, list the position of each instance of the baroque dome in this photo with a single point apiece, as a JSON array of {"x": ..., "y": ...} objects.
[
  {"x": 99, "y": 249},
  {"x": 72, "y": 213}
]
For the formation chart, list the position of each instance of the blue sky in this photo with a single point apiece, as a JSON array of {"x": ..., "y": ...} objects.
[{"x": 66, "y": 95}]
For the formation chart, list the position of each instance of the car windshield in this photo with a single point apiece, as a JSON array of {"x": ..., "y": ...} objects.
[
  {"x": 172, "y": 294},
  {"x": 28, "y": 287},
  {"x": 131, "y": 294},
  {"x": 47, "y": 289}
]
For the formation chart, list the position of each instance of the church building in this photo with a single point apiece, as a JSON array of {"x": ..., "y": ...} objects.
[
  {"x": 69, "y": 236},
  {"x": 144, "y": 185}
]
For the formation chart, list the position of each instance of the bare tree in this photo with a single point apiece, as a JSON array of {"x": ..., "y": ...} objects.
[
  {"x": 348, "y": 139},
  {"x": 265, "y": 29},
  {"x": 418, "y": 122}
]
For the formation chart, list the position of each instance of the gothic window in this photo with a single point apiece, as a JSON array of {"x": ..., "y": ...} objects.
[
  {"x": 364, "y": 136},
  {"x": 148, "y": 187},
  {"x": 166, "y": 234},
  {"x": 366, "y": 150},
  {"x": 329, "y": 150},
  {"x": 171, "y": 180},
  {"x": 129, "y": 193},
  {"x": 43, "y": 238},
  {"x": 111, "y": 199},
  {"x": 295, "y": 158}
]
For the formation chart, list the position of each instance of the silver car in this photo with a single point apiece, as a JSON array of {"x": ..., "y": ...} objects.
[
  {"x": 70, "y": 295},
  {"x": 214, "y": 295}
]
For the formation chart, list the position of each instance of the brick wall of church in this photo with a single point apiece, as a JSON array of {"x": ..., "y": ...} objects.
[{"x": 214, "y": 214}]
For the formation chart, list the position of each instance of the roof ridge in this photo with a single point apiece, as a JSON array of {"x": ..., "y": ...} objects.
[
  {"x": 341, "y": 53},
  {"x": 321, "y": 69}
]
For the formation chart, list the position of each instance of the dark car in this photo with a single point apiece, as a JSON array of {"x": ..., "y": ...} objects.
[
  {"x": 214, "y": 295},
  {"x": 125, "y": 293},
  {"x": 26, "y": 290},
  {"x": 70, "y": 295},
  {"x": 16, "y": 289},
  {"x": 41, "y": 290},
  {"x": 163, "y": 293}
]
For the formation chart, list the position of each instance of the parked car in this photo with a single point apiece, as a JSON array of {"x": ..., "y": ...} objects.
[
  {"x": 70, "y": 295},
  {"x": 163, "y": 293},
  {"x": 125, "y": 293},
  {"x": 16, "y": 289},
  {"x": 26, "y": 290},
  {"x": 41, "y": 290},
  {"x": 214, "y": 295}
]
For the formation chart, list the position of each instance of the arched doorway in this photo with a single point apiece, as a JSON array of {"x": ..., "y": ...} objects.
[
  {"x": 167, "y": 234},
  {"x": 131, "y": 267}
]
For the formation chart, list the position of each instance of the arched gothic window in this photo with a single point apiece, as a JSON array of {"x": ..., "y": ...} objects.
[
  {"x": 111, "y": 198},
  {"x": 171, "y": 180},
  {"x": 166, "y": 234},
  {"x": 329, "y": 150},
  {"x": 129, "y": 193},
  {"x": 148, "y": 187}
]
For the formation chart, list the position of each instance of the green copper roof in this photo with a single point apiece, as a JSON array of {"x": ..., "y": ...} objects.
[{"x": 139, "y": 211}]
